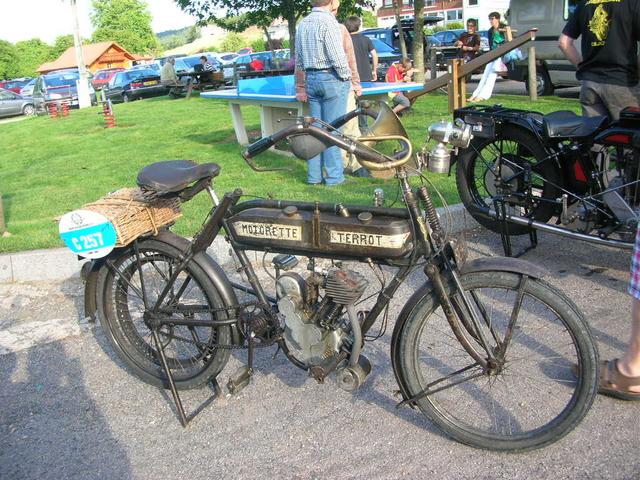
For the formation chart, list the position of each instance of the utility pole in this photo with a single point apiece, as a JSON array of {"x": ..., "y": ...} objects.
[{"x": 83, "y": 84}]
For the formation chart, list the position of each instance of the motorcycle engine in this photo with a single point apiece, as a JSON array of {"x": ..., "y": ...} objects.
[{"x": 314, "y": 329}]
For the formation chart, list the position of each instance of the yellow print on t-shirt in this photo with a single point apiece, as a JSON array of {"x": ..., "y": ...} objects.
[
  {"x": 600, "y": 2},
  {"x": 599, "y": 26}
]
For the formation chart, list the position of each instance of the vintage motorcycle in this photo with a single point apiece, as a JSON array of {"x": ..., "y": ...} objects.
[
  {"x": 490, "y": 352},
  {"x": 559, "y": 173}
]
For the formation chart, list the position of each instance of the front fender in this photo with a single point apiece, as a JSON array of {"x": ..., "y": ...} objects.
[{"x": 485, "y": 264}]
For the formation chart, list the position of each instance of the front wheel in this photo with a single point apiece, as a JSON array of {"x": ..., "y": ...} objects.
[
  {"x": 126, "y": 98},
  {"x": 28, "y": 110},
  {"x": 529, "y": 399},
  {"x": 128, "y": 287}
]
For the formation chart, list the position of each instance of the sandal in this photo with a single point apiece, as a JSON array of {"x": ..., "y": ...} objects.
[{"x": 614, "y": 384}]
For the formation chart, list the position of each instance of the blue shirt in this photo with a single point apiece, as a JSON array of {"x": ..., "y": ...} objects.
[{"x": 319, "y": 44}]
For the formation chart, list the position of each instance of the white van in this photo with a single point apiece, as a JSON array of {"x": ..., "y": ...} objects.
[{"x": 549, "y": 17}]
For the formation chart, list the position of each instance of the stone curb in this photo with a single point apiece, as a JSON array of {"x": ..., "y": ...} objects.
[{"x": 60, "y": 263}]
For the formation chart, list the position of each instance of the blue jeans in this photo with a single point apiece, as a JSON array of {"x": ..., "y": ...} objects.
[{"x": 327, "y": 96}]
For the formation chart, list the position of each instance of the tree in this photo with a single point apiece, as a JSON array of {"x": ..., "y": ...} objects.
[
  {"x": 369, "y": 20},
  {"x": 261, "y": 12},
  {"x": 418, "y": 40},
  {"x": 60, "y": 45},
  {"x": 127, "y": 22},
  {"x": 8, "y": 60},
  {"x": 31, "y": 54},
  {"x": 397, "y": 5}
]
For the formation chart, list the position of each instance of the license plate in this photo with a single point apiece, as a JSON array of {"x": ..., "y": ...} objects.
[{"x": 152, "y": 82}]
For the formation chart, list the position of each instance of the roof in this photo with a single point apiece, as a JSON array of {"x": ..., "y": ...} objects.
[{"x": 90, "y": 53}]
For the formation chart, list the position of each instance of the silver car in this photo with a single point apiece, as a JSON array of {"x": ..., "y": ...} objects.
[{"x": 13, "y": 104}]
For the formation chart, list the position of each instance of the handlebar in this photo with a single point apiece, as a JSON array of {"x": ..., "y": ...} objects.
[
  {"x": 366, "y": 155},
  {"x": 258, "y": 147}
]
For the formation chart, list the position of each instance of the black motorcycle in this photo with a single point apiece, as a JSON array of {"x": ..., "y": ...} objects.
[
  {"x": 494, "y": 355},
  {"x": 560, "y": 173}
]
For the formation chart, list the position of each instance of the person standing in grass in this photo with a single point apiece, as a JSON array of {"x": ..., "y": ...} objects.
[{"x": 323, "y": 78}]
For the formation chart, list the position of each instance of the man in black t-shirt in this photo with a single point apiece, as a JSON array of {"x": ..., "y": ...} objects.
[
  {"x": 608, "y": 66},
  {"x": 363, "y": 47}
]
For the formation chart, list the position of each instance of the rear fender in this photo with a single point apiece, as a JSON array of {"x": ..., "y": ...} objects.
[{"x": 487, "y": 264}]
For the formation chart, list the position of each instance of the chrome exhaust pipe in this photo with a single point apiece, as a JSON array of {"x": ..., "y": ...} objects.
[{"x": 545, "y": 227}]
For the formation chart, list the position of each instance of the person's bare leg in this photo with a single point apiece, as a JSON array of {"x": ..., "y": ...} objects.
[
  {"x": 399, "y": 108},
  {"x": 629, "y": 365}
]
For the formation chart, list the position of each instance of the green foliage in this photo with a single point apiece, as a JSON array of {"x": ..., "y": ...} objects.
[
  {"x": 259, "y": 45},
  {"x": 244, "y": 13},
  {"x": 455, "y": 25},
  {"x": 127, "y": 22},
  {"x": 8, "y": 60},
  {"x": 31, "y": 54},
  {"x": 60, "y": 45},
  {"x": 233, "y": 42},
  {"x": 369, "y": 19}
]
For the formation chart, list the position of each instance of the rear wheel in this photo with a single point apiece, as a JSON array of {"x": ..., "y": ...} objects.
[
  {"x": 497, "y": 169},
  {"x": 128, "y": 288},
  {"x": 531, "y": 397}
]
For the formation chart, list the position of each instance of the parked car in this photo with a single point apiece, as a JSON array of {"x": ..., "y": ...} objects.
[
  {"x": 390, "y": 36},
  {"x": 194, "y": 60},
  {"x": 162, "y": 60},
  {"x": 27, "y": 90},
  {"x": 245, "y": 51},
  {"x": 146, "y": 66},
  {"x": 277, "y": 60},
  {"x": 59, "y": 86},
  {"x": 134, "y": 84},
  {"x": 226, "y": 57},
  {"x": 387, "y": 55},
  {"x": 12, "y": 104},
  {"x": 14, "y": 85},
  {"x": 553, "y": 70},
  {"x": 102, "y": 77}
]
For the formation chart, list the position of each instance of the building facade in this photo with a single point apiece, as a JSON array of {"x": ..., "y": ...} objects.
[{"x": 448, "y": 10}]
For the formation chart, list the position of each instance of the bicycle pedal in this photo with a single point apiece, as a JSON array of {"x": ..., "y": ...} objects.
[{"x": 239, "y": 380}]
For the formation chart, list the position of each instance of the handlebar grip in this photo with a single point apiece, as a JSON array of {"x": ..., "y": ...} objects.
[{"x": 258, "y": 147}]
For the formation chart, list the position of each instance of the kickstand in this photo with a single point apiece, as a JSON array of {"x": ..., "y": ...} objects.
[
  {"x": 174, "y": 391},
  {"x": 501, "y": 217}
]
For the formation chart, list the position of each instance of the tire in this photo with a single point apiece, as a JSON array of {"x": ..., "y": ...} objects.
[
  {"x": 534, "y": 399},
  {"x": 476, "y": 180},
  {"x": 544, "y": 87},
  {"x": 190, "y": 352},
  {"x": 28, "y": 110},
  {"x": 126, "y": 98}
]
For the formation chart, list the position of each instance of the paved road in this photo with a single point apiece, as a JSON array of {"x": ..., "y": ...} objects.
[{"x": 68, "y": 409}]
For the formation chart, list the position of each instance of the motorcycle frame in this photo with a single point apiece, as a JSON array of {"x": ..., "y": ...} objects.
[{"x": 526, "y": 120}]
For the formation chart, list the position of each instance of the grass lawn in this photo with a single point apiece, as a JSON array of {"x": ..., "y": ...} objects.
[{"x": 49, "y": 167}]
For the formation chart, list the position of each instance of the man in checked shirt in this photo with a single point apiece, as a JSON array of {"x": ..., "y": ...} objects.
[{"x": 323, "y": 78}]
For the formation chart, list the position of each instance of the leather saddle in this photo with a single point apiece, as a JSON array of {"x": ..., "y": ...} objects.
[
  {"x": 174, "y": 176},
  {"x": 566, "y": 124}
]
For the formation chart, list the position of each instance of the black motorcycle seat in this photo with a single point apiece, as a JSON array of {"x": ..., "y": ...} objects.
[
  {"x": 566, "y": 124},
  {"x": 172, "y": 176}
]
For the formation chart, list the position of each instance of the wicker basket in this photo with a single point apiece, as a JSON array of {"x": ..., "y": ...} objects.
[{"x": 133, "y": 215}]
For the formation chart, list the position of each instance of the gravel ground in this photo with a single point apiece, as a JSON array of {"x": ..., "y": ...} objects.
[{"x": 69, "y": 409}]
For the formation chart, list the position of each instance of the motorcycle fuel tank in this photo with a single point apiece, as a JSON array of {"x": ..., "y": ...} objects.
[{"x": 321, "y": 233}]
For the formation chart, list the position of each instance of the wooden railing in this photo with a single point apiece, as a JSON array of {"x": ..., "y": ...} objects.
[{"x": 454, "y": 79}]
